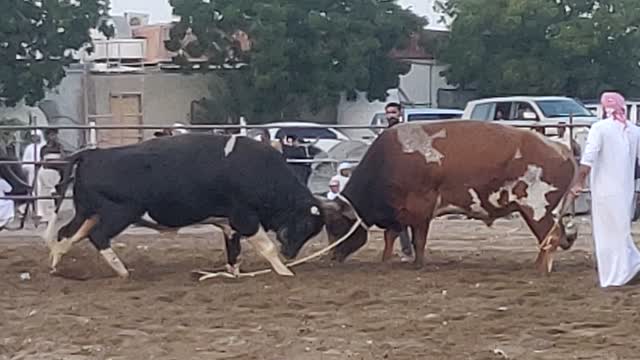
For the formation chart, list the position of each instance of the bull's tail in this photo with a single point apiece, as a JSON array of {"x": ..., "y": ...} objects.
[
  {"x": 66, "y": 179},
  {"x": 67, "y": 176}
]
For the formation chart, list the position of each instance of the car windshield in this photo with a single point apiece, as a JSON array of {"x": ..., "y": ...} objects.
[
  {"x": 307, "y": 133},
  {"x": 562, "y": 108},
  {"x": 435, "y": 116}
]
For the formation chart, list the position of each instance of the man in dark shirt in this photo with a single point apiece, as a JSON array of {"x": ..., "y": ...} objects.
[
  {"x": 52, "y": 150},
  {"x": 293, "y": 148},
  {"x": 393, "y": 114}
]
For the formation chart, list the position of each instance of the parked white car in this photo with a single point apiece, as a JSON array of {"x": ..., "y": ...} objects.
[
  {"x": 420, "y": 114},
  {"x": 323, "y": 137},
  {"x": 534, "y": 110}
]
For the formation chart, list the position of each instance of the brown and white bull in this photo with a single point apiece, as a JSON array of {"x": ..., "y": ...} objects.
[{"x": 415, "y": 172}]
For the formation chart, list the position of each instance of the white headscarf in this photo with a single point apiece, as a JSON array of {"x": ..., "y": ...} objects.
[{"x": 342, "y": 180}]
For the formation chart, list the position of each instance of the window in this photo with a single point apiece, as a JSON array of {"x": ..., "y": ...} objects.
[
  {"x": 503, "y": 111},
  {"x": 379, "y": 120},
  {"x": 482, "y": 111},
  {"x": 441, "y": 116},
  {"x": 562, "y": 108},
  {"x": 306, "y": 133}
]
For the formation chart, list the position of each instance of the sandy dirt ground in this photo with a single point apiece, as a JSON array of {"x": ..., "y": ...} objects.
[{"x": 479, "y": 297}]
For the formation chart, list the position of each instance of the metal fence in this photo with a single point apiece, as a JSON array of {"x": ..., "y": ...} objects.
[{"x": 92, "y": 129}]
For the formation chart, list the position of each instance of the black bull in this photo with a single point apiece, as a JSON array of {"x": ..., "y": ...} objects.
[{"x": 235, "y": 183}]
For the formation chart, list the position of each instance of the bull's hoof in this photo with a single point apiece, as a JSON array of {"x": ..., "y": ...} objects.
[
  {"x": 544, "y": 263},
  {"x": 233, "y": 270},
  {"x": 337, "y": 258},
  {"x": 418, "y": 264}
]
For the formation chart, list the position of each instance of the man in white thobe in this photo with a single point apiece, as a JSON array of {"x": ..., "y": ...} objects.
[
  {"x": 610, "y": 155},
  {"x": 32, "y": 153},
  {"x": 7, "y": 210}
]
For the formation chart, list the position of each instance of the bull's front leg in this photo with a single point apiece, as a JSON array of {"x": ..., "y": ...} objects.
[
  {"x": 419, "y": 236},
  {"x": 232, "y": 244},
  {"x": 233, "y": 248},
  {"x": 389, "y": 240}
]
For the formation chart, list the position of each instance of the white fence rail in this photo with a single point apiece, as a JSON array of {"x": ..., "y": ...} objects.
[{"x": 93, "y": 129}]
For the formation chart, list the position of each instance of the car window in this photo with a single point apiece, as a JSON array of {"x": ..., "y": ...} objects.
[
  {"x": 502, "y": 111},
  {"x": 482, "y": 111},
  {"x": 441, "y": 116},
  {"x": 593, "y": 109},
  {"x": 306, "y": 133},
  {"x": 519, "y": 108},
  {"x": 379, "y": 120},
  {"x": 562, "y": 108}
]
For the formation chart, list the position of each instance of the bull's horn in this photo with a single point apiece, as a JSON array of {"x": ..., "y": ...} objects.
[{"x": 327, "y": 204}]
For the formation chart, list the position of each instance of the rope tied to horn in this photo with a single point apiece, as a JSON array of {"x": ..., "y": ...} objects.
[{"x": 358, "y": 223}]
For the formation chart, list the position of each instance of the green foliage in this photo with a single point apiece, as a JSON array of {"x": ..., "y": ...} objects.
[
  {"x": 35, "y": 44},
  {"x": 570, "y": 47},
  {"x": 304, "y": 52}
]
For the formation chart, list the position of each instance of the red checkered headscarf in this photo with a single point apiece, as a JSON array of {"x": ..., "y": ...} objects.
[{"x": 614, "y": 106}]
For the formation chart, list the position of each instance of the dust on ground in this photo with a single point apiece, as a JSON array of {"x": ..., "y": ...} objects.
[{"x": 478, "y": 297}]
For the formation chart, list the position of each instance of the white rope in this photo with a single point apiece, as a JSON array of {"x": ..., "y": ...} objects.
[{"x": 209, "y": 275}]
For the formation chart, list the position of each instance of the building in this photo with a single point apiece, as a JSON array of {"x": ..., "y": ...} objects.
[
  {"x": 127, "y": 80},
  {"x": 422, "y": 85}
]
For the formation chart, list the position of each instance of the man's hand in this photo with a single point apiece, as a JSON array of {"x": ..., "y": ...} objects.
[{"x": 578, "y": 185}]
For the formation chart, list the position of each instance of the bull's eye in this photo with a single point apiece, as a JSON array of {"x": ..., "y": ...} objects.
[{"x": 315, "y": 211}]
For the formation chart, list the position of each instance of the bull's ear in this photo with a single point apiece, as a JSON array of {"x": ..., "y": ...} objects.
[{"x": 349, "y": 212}]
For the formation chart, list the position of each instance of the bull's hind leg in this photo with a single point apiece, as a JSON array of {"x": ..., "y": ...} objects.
[
  {"x": 117, "y": 220},
  {"x": 77, "y": 230}
]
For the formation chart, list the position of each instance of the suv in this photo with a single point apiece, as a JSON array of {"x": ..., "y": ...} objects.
[
  {"x": 420, "y": 114},
  {"x": 538, "y": 110},
  {"x": 322, "y": 136},
  {"x": 534, "y": 110}
]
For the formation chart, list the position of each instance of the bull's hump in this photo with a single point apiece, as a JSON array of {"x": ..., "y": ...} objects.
[{"x": 419, "y": 139}]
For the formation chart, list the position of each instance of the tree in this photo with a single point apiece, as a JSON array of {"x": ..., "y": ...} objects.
[
  {"x": 300, "y": 52},
  {"x": 570, "y": 47},
  {"x": 38, "y": 40}
]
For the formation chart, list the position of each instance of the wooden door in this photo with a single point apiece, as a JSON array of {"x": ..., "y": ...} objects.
[{"x": 126, "y": 110}]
